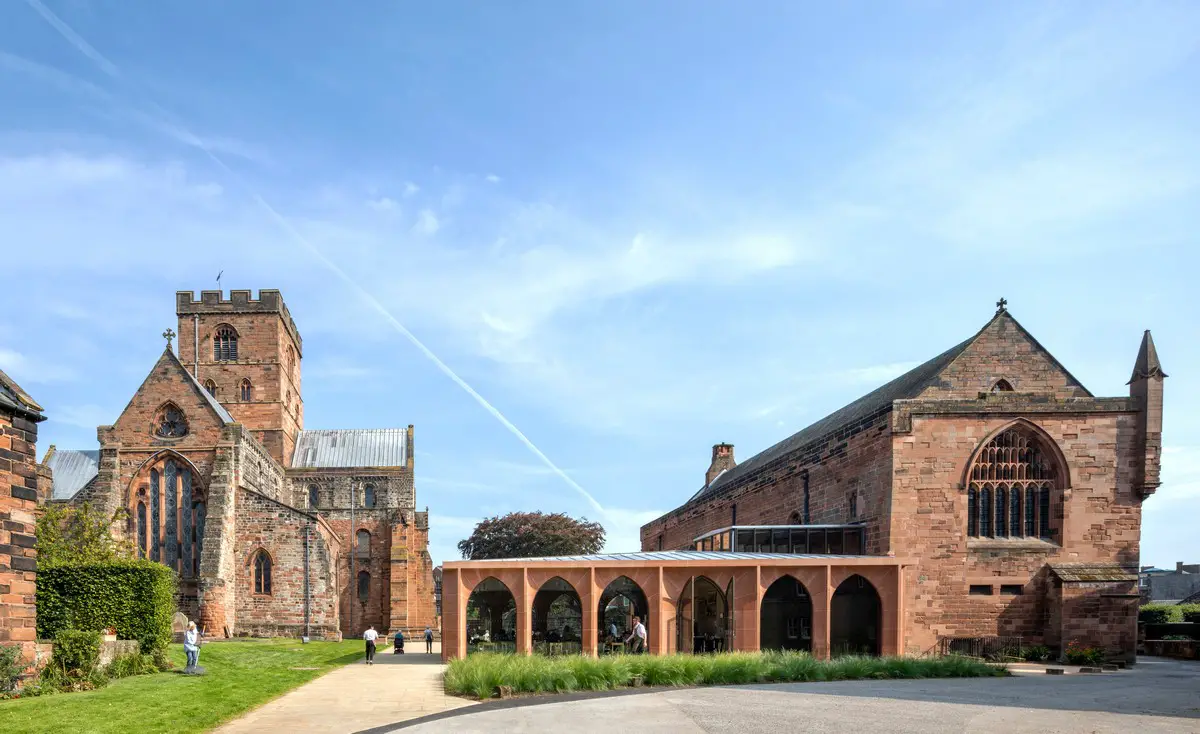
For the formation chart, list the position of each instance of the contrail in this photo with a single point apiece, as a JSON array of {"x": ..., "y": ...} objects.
[{"x": 112, "y": 70}]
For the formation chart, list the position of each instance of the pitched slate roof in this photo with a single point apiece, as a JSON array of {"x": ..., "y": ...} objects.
[
  {"x": 380, "y": 447},
  {"x": 72, "y": 471},
  {"x": 905, "y": 387},
  {"x": 1092, "y": 572},
  {"x": 17, "y": 400}
]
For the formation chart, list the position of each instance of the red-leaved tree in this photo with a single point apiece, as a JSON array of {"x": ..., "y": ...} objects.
[{"x": 532, "y": 534}]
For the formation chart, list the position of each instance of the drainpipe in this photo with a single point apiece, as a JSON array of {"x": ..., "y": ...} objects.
[
  {"x": 353, "y": 577},
  {"x": 196, "y": 348},
  {"x": 307, "y": 525}
]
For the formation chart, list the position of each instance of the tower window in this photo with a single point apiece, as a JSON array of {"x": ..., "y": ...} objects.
[
  {"x": 210, "y": 387},
  {"x": 262, "y": 573},
  {"x": 225, "y": 347},
  {"x": 291, "y": 360},
  {"x": 247, "y": 391}
]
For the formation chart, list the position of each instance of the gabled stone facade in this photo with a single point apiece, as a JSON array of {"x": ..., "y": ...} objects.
[
  {"x": 206, "y": 460},
  {"x": 917, "y": 460}
]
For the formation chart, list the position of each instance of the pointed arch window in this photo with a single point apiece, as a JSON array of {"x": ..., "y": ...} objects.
[
  {"x": 225, "y": 344},
  {"x": 291, "y": 360},
  {"x": 1002, "y": 385},
  {"x": 210, "y": 387},
  {"x": 171, "y": 422},
  {"x": 141, "y": 529},
  {"x": 262, "y": 573},
  {"x": 1013, "y": 487},
  {"x": 247, "y": 390}
]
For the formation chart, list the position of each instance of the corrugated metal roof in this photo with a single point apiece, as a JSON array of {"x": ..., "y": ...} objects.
[
  {"x": 668, "y": 556},
  {"x": 351, "y": 448},
  {"x": 72, "y": 471}
]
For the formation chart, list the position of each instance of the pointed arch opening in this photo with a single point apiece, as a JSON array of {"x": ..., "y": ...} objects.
[
  {"x": 854, "y": 618},
  {"x": 246, "y": 390},
  {"x": 1002, "y": 385},
  {"x": 557, "y": 619},
  {"x": 261, "y": 572},
  {"x": 210, "y": 387},
  {"x": 166, "y": 498},
  {"x": 785, "y": 618},
  {"x": 491, "y": 620},
  {"x": 702, "y": 619},
  {"x": 1014, "y": 485},
  {"x": 620, "y": 603}
]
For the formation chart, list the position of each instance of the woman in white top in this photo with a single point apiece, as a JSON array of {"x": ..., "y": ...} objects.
[{"x": 191, "y": 646}]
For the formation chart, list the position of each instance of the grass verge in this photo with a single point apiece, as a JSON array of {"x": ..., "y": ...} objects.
[
  {"x": 478, "y": 675},
  {"x": 240, "y": 675}
]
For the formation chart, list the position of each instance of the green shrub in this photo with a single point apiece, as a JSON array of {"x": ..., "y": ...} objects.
[
  {"x": 136, "y": 598},
  {"x": 125, "y": 666},
  {"x": 1190, "y": 613},
  {"x": 480, "y": 674},
  {"x": 1036, "y": 653},
  {"x": 1077, "y": 654},
  {"x": 76, "y": 650},
  {"x": 1159, "y": 614},
  {"x": 12, "y": 666}
]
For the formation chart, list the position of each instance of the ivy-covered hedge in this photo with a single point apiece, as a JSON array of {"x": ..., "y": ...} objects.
[{"x": 136, "y": 598}]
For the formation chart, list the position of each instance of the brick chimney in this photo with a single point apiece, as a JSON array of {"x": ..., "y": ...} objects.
[
  {"x": 722, "y": 460},
  {"x": 1146, "y": 389}
]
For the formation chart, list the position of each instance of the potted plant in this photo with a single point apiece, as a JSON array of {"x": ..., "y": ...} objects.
[{"x": 110, "y": 634}]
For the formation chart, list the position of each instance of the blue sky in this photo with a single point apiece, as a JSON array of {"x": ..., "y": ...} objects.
[{"x": 636, "y": 228}]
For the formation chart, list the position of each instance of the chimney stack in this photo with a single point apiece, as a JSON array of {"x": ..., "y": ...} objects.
[{"x": 722, "y": 460}]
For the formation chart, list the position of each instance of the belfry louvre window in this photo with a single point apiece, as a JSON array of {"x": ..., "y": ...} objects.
[
  {"x": 225, "y": 348},
  {"x": 1011, "y": 489}
]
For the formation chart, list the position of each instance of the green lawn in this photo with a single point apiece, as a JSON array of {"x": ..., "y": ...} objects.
[{"x": 240, "y": 676}]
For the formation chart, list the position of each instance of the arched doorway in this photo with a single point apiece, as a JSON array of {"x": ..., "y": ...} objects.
[
  {"x": 702, "y": 619},
  {"x": 557, "y": 619},
  {"x": 785, "y": 619},
  {"x": 491, "y": 622},
  {"x": 854, "y": 618},
  {"x": 620, "y": 602}
]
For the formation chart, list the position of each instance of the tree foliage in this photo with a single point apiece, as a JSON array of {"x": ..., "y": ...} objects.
[
  {"x": 532, "y": 534},
  {"x": 69, "y": 535}
]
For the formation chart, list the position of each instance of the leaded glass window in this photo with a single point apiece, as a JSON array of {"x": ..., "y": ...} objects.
[
  {"x": 262, "y": 573},
  {"x": 171, "y": 422},
  {"x": 1018, "y": 458}
]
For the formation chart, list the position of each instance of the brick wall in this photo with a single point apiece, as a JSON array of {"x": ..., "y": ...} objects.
[
  {"x": 1097, "y": 519},
  {"x": 263, "y": 523},
  {"x": 18, "y": 508},
  {"x": 855, "y": 460}
]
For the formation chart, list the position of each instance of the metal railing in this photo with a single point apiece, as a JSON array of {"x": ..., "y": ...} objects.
[{"x": 984, "y": 648}]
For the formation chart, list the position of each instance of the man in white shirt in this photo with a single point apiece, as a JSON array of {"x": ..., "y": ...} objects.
[
  {"x": 637, "y": 636},
  {"x": 370, "y": 636}
]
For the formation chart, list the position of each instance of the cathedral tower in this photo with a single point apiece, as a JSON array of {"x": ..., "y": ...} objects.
[{"x": 247, "y": 353}]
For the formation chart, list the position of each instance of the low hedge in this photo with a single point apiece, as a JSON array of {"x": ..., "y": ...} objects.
[
  {"x": 1169, "y": 613},
  {"x": 136, "y": 598},
  {"x": 479, "y": 675}
]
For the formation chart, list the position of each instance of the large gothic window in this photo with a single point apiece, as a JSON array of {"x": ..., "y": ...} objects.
[
  {"x": 169, "y": 514},
  {"x": 225, "y": 348},
  {"x": 1013, "y": 487},
  {"x": 170, "y": 423}
]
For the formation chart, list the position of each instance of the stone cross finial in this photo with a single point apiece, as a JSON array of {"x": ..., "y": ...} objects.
[
  {"x": 1001, "y": 305},
  {"x": 168, "y": 335}
]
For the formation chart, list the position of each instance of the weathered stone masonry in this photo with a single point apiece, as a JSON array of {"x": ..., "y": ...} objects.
[{"x": 905, "y": 454}]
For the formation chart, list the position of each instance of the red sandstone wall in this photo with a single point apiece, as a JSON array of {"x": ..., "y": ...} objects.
[
  {"x": 857, "y": 459},
  {"x": 1099, "y": 520},
  {"x": 263, "y": 523},
  {"x": 18, "y": 506}
]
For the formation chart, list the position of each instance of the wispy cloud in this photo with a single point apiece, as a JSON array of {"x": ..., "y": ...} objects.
[
  {"x": 27, "y": 369},
  {"x": 427, "y": 223},
  {"x": 382, "y": 204}
]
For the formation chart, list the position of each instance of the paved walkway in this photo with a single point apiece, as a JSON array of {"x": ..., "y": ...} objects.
[
  {"x": 357, "y": 696},
  {"x": 1156, "y": 696}
]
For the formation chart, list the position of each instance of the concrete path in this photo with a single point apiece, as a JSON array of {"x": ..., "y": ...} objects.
[
  {"x": 1156, "y": 696},
  {"x": 357, "y": 696}
]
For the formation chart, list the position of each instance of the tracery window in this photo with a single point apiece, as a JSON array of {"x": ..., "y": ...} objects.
[
  {"x": 171, "y": 422},
  {"x": 262, "y": 573},
  {"x": 1013, "y": 472},
  {"x": 211, "y": 387},
  {"x": 225, "y": 344},
  {"x": 247, "y": 390},
  {"x": 170, "y": 515}
]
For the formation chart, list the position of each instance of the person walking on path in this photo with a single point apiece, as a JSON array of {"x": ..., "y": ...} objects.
[
  {"x": 398, "y": 645},
  {"x": 191, "y": 646},
  {"x": 428, "y": 640},
  {"x": 370, "y": 636},
  {"x": 637, "y": 636}
]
